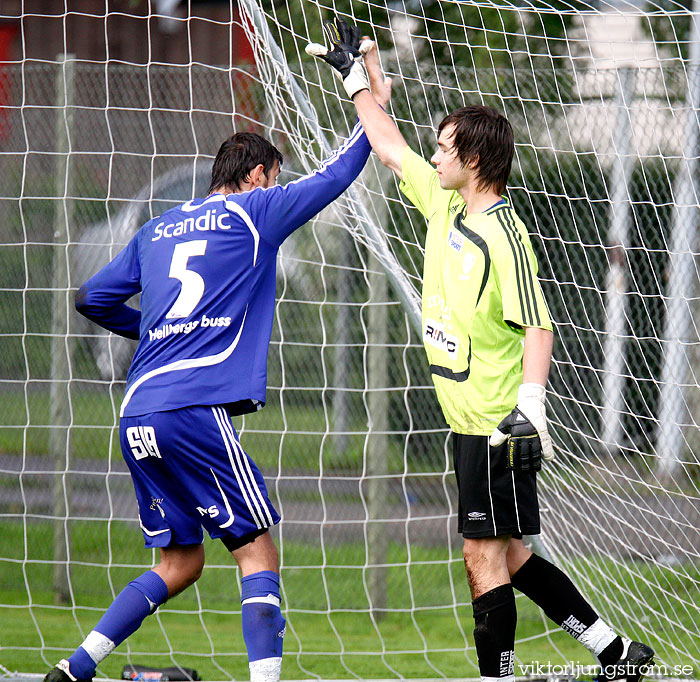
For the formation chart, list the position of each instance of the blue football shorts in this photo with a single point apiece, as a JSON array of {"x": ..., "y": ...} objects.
[{"x": 190, "y": 471}]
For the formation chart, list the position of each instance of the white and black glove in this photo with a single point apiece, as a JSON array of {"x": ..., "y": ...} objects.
[
  {"x": 526, "y": 428},
  {"x": 346, "y": 55}
]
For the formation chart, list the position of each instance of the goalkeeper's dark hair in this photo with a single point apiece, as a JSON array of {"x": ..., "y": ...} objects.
[
  {"x": 238, "y": 155},
  {"x": 484, "y": 137}
]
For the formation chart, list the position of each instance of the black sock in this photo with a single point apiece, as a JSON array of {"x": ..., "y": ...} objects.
[
  {"x": 558, "y": 597},
  {"x": 495, "y": 618}
]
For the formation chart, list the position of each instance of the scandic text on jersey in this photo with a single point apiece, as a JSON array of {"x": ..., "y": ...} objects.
[{"x": 205, "y": 222}]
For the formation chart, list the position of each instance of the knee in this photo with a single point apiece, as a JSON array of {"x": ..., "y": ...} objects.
[
  {"x": 516, "y": 556},
  {"x": 181, "y": 568},
  {"x": 195, "y": 572},
  {"x": 485, "y": 563},
  {"x": 274, "y": 557},
  {"x": 195, "y": 566},
  {"x": 181, "y": 577},
  {"x": 470, "y": 549},
  {"x": 259, "y": 555},
  {"x": 476, "y": 560},
  {"x": 481, "y": 552}
]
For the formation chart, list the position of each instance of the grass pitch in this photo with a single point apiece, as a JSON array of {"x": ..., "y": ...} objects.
[{"x": 331, "y": 632}]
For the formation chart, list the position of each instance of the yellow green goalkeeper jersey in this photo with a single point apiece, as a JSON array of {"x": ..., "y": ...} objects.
[{"x": 480, "y": 290}]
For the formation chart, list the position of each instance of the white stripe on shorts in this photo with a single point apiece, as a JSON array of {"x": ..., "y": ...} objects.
[
  {"x": 151, "y": 533},
  {"x": 244, "y": 464},
  {"x": 488, "y": 471},
  {"x": 515, "y": 502},
  {"x": 225, "y": 499},
  {"x": 244, "y": 488}
]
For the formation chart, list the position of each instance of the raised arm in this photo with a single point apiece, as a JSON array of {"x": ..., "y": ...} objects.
[
  {"x": 345, "y": 57},
  {"x": 383, "y": 134},
  {"x": 290, "y": 206}
]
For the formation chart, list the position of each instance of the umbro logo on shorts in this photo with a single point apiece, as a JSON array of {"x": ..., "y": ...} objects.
[{"x": 476, "y": 516}]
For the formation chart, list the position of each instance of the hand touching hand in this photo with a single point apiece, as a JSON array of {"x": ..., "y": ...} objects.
[
  {"x": 346, "y": 55},
  {"x": 380, "y": 86}
]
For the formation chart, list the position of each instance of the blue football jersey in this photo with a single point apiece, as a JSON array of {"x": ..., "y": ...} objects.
[{"x": 206, "y": 273}]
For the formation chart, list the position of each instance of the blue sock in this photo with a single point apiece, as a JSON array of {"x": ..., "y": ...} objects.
[
  {"x": 137, "y": 600},
  {"x": 262, "y": 621}
]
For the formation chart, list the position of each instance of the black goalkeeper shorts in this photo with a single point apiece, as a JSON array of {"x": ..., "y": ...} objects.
[{"x": 493, "y": 500}]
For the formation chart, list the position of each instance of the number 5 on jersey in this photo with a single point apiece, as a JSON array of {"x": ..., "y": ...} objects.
[{"x": 192, "y": 288}]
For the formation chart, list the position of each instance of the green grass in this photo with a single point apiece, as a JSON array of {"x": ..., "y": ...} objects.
[
  {"x": 311, "y": 582},
  {"x": 330, "y": 631},
  {"x": 92, "y": 415}
]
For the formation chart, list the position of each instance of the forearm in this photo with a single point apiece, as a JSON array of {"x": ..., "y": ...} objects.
[
  {"x": 537, "y": 355},
  {"x": 297, "y": 202},
  {"x": 119, "y": 319},
  {"x": 383, "y": 135},
  {"x": 529, "y": 418}
]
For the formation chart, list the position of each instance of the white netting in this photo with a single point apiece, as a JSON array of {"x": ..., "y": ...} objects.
[{"x": 604, "y": 102}]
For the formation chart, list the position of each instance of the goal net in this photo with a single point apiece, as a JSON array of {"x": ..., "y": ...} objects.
[{"x": 110, "y": 113}]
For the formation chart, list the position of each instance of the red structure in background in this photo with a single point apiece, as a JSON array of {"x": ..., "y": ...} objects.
[
  {"x": 243, "y": 50},
  {"x": 8, "y": 31}
]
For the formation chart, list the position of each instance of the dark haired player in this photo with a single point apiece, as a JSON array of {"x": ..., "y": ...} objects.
[
  {"x": 206, "y": 273},
  {"x": 488, "y": 337}
]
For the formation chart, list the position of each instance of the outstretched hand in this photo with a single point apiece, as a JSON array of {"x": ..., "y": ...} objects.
[
  {"x": 379, "y": 85},
  {"x": 346, "y": 55}
]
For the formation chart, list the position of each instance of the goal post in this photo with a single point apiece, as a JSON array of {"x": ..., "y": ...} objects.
[
  {"x": 357, "y": 458},
  {"x": 59, "y": 396},
  {"x": 682, "y": 283}
]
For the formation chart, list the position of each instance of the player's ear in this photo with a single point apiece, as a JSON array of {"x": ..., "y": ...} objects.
[
  {"x": 473, "y": 162},
  {"x": 256, "y": 175}
]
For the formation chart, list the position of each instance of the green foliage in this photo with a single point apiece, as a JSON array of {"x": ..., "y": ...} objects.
[
  {"x": 668, "y": 25},
  {"x": 448, "y": 33}
]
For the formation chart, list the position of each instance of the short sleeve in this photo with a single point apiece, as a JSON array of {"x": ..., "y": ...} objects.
[
  {"x": 521, "y": 293},
  {"x": 420, "y": 183}
]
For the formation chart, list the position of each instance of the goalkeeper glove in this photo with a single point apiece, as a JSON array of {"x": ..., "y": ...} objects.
[
  {"x": 526, "y": 429},
  {"x": 346, "y": 55}
]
